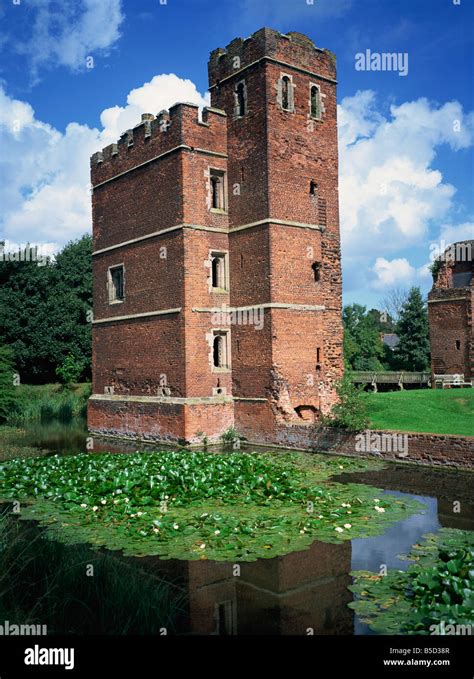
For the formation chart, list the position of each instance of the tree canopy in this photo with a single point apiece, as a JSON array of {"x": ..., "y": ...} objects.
[{"x": 45, "y": 312}]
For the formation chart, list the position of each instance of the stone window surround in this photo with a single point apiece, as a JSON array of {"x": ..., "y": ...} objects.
[
  {"x": 217, "y": 171},
  {"x": 110, "y": 287},
  {"x": 224, "y": 255}
]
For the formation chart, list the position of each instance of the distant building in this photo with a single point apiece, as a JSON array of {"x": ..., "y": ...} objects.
[{"x": 450, "y": 312}]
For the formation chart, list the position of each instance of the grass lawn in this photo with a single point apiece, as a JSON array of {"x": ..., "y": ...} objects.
[{"x": 437, "y": 411}]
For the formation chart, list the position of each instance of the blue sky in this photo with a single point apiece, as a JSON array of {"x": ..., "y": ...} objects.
[{"x": 74, "y": 74}]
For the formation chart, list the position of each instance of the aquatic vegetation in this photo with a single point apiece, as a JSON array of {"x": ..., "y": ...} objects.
[
  {"x": 435, "y": 594},
  {"x": 79, "y": 590},
  {"x": 196, "y": 505}
]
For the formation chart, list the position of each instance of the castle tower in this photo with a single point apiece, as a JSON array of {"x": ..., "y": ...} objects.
[
  {"x": 450, "y": 305},
  {"x": 217, "y": 283},
  {"x": 279, "y": 93}
]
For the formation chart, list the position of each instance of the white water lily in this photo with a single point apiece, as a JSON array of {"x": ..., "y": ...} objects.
[
  {"x": 376, "y": 499},
  {"x": 379, "y": 509},
  {"x": 83, "y": 505},
  {"x": 125, "y": 499},
  {"x": 202, "y": 546},
  {"x": 349, "y": 511},
  {"x": 338, "y": 529},
  {"x": 156, "y": 530},
  {"x": 175, "y": 526},
  {"x": 347, "y": 525},
  {"x": 217, "y": 532},
  {"x": 139, "y": 513},
  {"x": 103, "y": 502},
  {"x": 94, "y": 509},
  {"x": 320, "y": 516},
  {"x": 115, "y": 502}
]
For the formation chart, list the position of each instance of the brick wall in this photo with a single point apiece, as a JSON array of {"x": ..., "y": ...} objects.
[{"x": 152, "y": 214}]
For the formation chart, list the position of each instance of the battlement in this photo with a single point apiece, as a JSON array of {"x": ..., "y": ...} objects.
[
  {"x": 169, "y": 130},
  {"x": 292, "y": 48}
]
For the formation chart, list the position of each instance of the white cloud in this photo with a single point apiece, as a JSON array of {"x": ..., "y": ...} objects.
[
  {"x": 392, "y": 273},
  {"x": 68, "y": 32},
  {"x": 453, "y": 233},
  {"x": 390, "y": 193},
  {"x": 44, "y": 190}
]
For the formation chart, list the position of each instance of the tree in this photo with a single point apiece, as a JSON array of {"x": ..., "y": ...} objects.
[
  {"x": 393, "y": 302},
  {"x": 44, "y": 311},
  {"x": 7, "y": 389},
  {"x": 413, "y": 351},
  {"x": 363, "y": 347}
]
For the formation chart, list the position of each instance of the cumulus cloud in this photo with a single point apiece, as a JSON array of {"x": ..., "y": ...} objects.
[
  {"x": 392, "y": 273},
  {"x": 68, "y": 32},
  {"x": 44, "y": 191},
  {"x": 391, "y": 194}
]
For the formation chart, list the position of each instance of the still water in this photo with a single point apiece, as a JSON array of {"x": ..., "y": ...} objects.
[{"x": 299, "y": 593}]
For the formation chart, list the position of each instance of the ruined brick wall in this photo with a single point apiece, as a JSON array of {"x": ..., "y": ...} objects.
[
  {"x": 432, "y": 449},
  {"x": 450, "y": 305}
]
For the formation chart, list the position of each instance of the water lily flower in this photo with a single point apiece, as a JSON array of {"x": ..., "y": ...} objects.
[
  {"x": 125, "y": 499},
  {"x": 338, "y": 529},
  {"x": 340, "y": 466},
  {"x": 347, "y": 525},
  {"x": 376, "y": 499},
  {"x": 202, "y": 546},
  {"x": 156, "y": 530},
  {"x": 379, "y": 509},
  {"x": 94, "y": 509},
  {"x": 139, "y": 513},
  {"x": 103, "y": 502},
  {"x": 115, "y": 502},
  {"x": 175, "y": 526},
  {"x": 349, "y": 512},
  {"x": 320, "y": 516},
  {"x": 217, "y": 532},
  {"x": 83, "y": 505}
]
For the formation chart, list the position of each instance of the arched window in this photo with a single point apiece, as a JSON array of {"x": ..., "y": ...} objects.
[
  {"x": 240, "y": 99},
  {"x": 315, "y": 102},
  {"x": 218, "y": 351},
  {"x": 285, "y": 92},
  {"x": 217, "y": 182},
  {"x": 215, "y": 189},
  {"x": 316, "y": 266},
  {"x": 221, "y": 349},
  {"x": 219, "y": 265}
]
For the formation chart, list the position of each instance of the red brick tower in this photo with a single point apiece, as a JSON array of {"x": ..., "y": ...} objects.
[
  {"x": 279, "y": 93},
  {"x": 217, "y": 284}
]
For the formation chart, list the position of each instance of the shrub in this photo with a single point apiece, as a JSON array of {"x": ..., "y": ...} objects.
[
  {"x": 350, "y": 412},
  {"x": 70, "y": 369}
]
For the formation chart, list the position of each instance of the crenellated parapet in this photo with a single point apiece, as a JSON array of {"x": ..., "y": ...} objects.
[
  {"x": 270, "y": 45},
  {"x": 157, "y": 136}
]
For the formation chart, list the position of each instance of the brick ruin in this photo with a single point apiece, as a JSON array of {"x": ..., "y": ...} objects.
[
  {"x": 450, "y": 313},
  {"x": 217, "y": 277}
]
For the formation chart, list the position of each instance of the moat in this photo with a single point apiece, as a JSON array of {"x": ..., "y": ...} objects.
[{"x": 301, "y": 592}]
